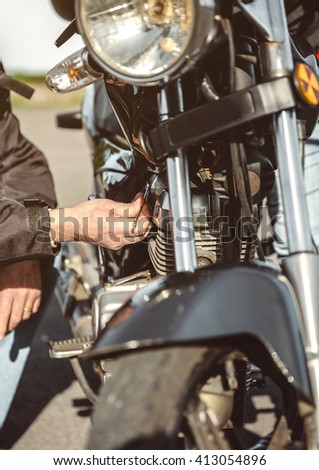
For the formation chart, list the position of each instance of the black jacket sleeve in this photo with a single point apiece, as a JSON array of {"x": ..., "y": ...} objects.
[{"x": 24, "y": 174}]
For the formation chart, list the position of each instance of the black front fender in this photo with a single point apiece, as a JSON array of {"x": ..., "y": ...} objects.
[{"x": 238, "y": 305}]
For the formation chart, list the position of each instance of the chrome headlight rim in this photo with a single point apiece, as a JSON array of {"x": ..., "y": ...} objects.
[{"x": 203, "y": 30}]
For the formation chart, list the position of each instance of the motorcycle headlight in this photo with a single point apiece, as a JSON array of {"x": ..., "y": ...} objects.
[{"x": 146, "y": 42}]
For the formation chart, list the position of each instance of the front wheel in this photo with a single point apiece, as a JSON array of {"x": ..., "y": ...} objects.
[{"x": 174, "y": 398}]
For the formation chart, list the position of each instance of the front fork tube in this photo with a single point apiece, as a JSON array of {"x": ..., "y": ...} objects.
[
  {"x": 182, "y": 225},
  {"x": 302, "y": 265},
  {"x": 292, "y": 183},
  {"x": 181, "y": 213}
]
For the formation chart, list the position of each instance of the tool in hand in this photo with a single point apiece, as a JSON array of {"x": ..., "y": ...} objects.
[{"x": 145, "y": 196}]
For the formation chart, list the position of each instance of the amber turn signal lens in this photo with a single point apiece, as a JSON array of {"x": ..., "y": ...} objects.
[{"x": 307, "y": 84}]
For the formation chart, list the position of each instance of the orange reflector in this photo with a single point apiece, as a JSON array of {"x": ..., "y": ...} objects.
[{"x": 307, "y": 84}]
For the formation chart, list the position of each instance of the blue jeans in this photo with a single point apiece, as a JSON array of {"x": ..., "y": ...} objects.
[
  {"x": 311, "y": 178},
  {"x": 16, "y": 345}
]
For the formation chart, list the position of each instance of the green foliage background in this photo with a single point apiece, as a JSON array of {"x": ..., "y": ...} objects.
[{"x": 43, "y": 97}]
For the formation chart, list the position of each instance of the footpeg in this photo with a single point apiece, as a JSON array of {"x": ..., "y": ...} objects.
[{"x": 68, "y": 348}]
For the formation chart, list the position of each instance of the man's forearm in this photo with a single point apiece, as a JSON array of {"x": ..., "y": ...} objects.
[
  {"x": 102, "y": 222},
  {"x": 65, "y": 225}
]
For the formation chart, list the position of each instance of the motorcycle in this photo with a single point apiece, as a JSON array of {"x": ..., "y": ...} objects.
[{"x": 196, "y": 104}]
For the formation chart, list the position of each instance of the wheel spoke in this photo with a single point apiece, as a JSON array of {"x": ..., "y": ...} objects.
[{"x": 204, "y": 431}]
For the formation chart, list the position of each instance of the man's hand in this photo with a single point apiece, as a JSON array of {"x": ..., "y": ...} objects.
[
  {"x": 102, "y": 222},
  {"x": 20, "y": 293}
]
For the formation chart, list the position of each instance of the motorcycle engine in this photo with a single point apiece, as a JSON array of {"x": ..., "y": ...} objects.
[
  {"x": 212, "y": 232},
  {"x": 217, "y": 221}
]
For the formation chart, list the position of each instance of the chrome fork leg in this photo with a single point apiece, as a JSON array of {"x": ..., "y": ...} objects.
[
  {"x": 302, "y": 265},
  {"x": 292, "y": 184},
  {"x": 181, "y": 212},
  {"x": 179, "y": 189}
]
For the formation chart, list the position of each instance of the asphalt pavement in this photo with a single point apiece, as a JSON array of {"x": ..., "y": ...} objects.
[{"x": 50, "y": 411}]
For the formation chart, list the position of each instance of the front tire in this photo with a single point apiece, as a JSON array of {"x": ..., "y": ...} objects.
[
  {"x": 146, "y": 401},
  {"x": 179, "y": 398}
]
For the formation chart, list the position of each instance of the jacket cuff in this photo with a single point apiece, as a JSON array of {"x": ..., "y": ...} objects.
[
  {"x": 39, "y": 222},
  {"x": 24, "y": 232}
]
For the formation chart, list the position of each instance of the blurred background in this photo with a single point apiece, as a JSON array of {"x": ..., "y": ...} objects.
[{"x": 28, "y": 30}]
